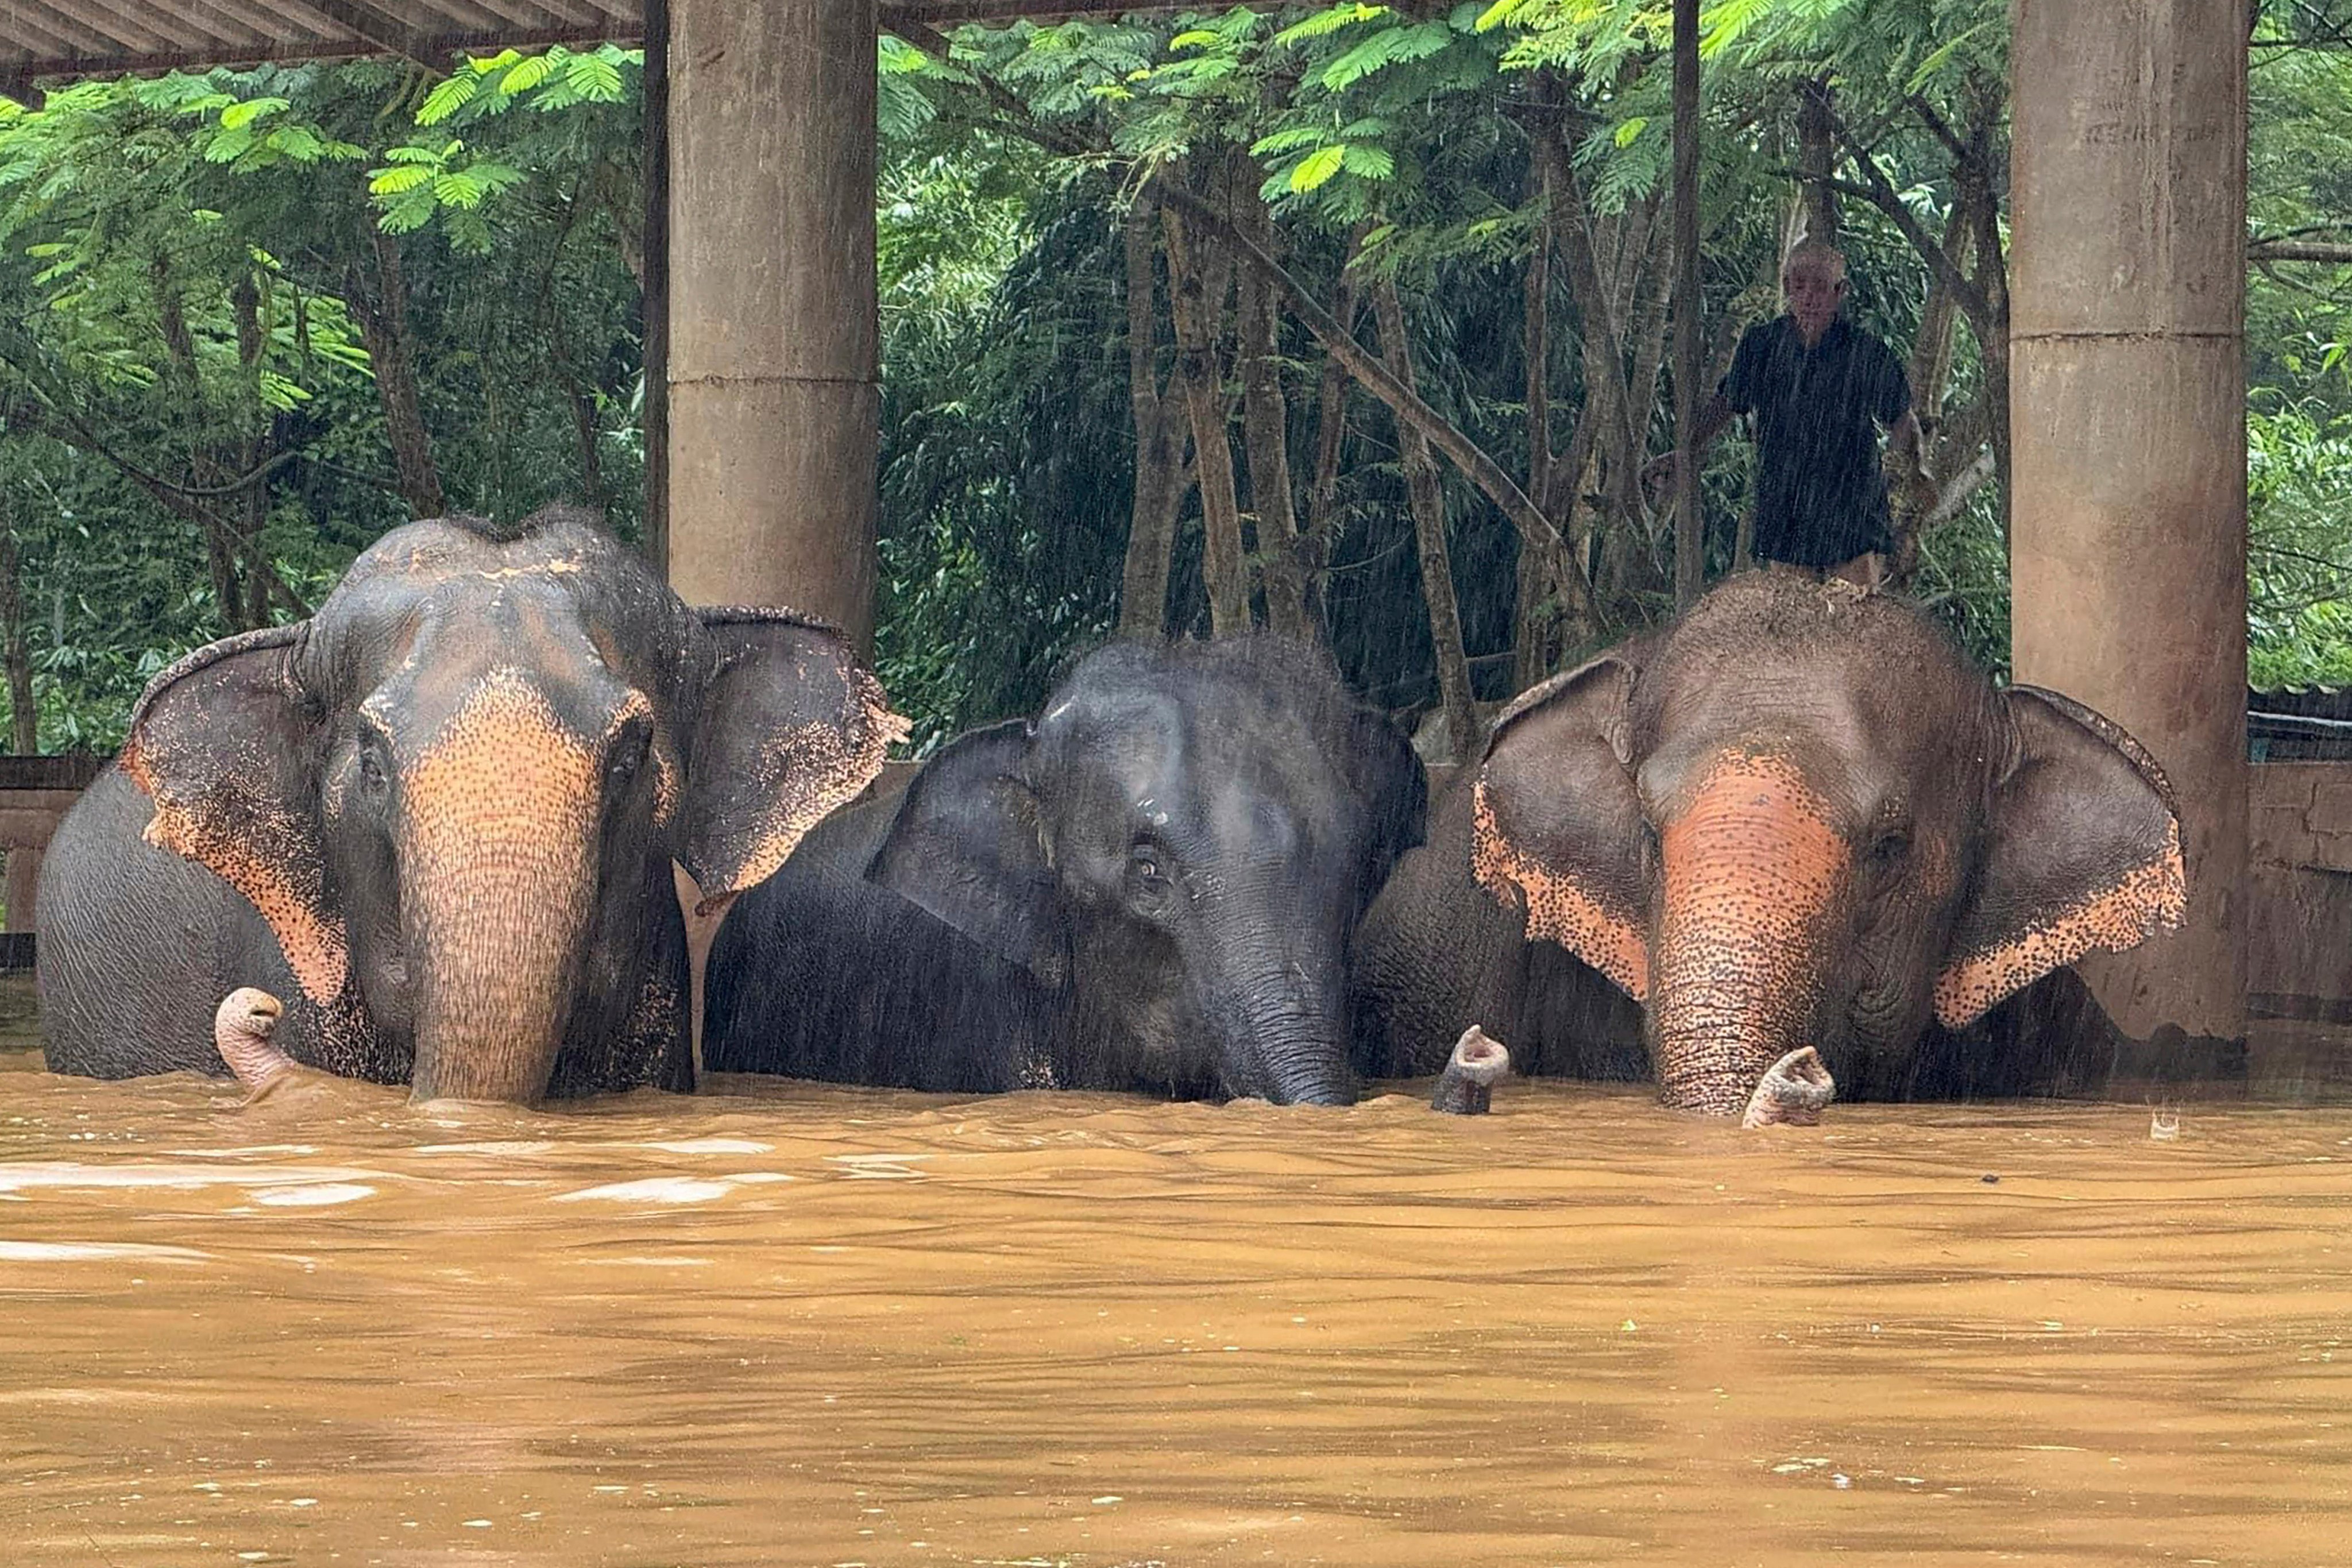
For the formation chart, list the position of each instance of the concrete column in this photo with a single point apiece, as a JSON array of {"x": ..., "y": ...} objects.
[
  {"x": 2127, "y": 419},
  {"x": 24, "y": 880},
  {"x": 774, "y": 391},
  {"x": 653, "y": 285}
]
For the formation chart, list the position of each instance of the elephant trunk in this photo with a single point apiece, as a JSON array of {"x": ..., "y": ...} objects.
[
  {"x": 1753, "y": 872},
  {"x": 242, "y": 1026},
  {"x": 1284, "y": 1020},
  {"x": 501, "y": 824}
]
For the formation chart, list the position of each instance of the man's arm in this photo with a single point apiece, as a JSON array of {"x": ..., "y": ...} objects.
[
  {"x": 1716, "y": 414},
  {"x": 1909, "y": 443}
]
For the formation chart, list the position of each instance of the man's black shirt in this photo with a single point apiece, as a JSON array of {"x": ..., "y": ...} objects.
[{"x": 1820, "y": 495}]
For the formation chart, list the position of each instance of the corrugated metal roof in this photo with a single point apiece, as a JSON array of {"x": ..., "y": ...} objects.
[{"x": 51, "y": 39}]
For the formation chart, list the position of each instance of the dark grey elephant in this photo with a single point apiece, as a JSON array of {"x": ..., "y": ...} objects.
[
  {"x": 1153, "y": 885},
  {"x": 1797, "y": 817},
  {"x": 438, "y": 818}
]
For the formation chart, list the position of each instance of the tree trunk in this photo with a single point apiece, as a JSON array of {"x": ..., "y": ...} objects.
[
  {"x": 1530, "y": 623},
  {"x": 1477, "y": 465},
  {"x": 1931, "y": 351},
  {"x": 251, "y": 506},
  {"x": 1158, "y": 445},
  {"x": 1690, "y": 537},
  {"x": 1265, "y": 428},
  {"x": 1198, "y": 279},
  {"x": 15, "y": 658},
  {"x": 384, "y": 331},
  {"x": 653, "y": 292},
  {"x": 1816, "y": 157},
  {"x": 1992, "y": 280},
  {"x": 1429, "y": 533},
  {"x": 1330, "y": 434}
]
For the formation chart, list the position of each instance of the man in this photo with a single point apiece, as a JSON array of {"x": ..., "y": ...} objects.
[{"x": 1818, "y": 385}]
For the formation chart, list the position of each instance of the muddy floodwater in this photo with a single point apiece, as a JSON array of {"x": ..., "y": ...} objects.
[{"x": 822, "y": 1326}]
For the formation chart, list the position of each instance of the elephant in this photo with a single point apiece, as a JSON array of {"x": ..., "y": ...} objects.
[
  {"x": 438, "y": 818},
  {"x": 1151, "y": 886},
  {"x": 1798, "y": 816}
]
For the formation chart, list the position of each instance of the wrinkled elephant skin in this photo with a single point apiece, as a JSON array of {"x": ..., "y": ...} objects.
[
  {"x": 1152, "y": 887},
  {"x": 439, "y": 817},
  {"x": 1797, "y": 819}
]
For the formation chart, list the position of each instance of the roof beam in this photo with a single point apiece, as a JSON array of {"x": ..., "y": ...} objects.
[
  {"x": 438, "y": 45},
  {"x": 378, "y": 28},
  {"x": 956, "y": 13},
  {"x": 386, "y": 32}
]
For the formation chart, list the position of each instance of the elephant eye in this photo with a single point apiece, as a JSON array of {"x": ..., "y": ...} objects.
[
  {"x": 1889, "y": 849},
  {"x": 373, "y": 777},
  {"x": 1149, "y": 886}
]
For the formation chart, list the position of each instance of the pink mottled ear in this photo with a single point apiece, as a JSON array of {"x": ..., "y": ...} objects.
[
  {"x": 1558, "y": 822},
  {"x": 225, "y": 746},
  {"x": 2083, "y": 854}
]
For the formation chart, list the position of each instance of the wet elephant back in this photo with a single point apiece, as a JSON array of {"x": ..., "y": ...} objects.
[{"x": 820, "y": 973}]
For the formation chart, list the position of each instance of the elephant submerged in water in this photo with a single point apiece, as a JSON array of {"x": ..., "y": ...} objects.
[
  {"x": 438, "y": 818},
  {"x": 1153, "y": 885},
  {"x": 1796, "y": 817}
]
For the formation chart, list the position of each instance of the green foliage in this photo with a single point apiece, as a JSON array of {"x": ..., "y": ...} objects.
[
  {"x": 188, "y": 263},
  {"x": 448, "y": 181},
  {"x": 184, "y": 265},
  {"x": 1003, "y": 511}
]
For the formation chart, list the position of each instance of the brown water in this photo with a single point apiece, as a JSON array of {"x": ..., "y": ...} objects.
[{"x": 831, "y": 1327}]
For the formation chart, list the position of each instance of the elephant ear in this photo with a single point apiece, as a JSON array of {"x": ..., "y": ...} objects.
[
  {"x": 2082, "y": 853},
  {"x": 1557, "y": 820},
  {"x": 790, "y": 726},
  {"x": 968, "y": 846},
  {"x": 226, "y": 746}
]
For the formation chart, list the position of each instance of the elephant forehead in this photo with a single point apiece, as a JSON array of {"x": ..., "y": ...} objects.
[
  {"x": 443, "y": 630},
  {"x": 504, "y": 760},
  {"x": 1841, "y": 761},
  {"x": 455, "y": 661},
  {"x": 1755, "y": 838}
]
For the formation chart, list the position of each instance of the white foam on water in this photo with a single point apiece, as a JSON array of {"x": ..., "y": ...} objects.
[
  {"x": 879, "y": 1167},
  {"x": 86, "y": 1251},
  {"x": 313, "y": 1196},
  {"x": 60, "y": 1173},
  {"x": 710, "y": 1146},
  {"x": 241, "y": 1154},
  {"x": 508, "y": 1146},
  {"x": 653, "y": 1190}
]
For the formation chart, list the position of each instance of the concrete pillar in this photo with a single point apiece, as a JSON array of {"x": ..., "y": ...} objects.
[
  {"x": 2128, "y": 418},
  {"x": 774, "y": 391},
  {"x": 653, "y": 282},
  {"x": 24, "y": 880}
]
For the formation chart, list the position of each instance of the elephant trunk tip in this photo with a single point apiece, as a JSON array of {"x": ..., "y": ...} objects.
[
  {"x": 1479, "y": 1063},
  {"x": 242, "y": 1026},
  {"x": 1793, "y": 1091}
]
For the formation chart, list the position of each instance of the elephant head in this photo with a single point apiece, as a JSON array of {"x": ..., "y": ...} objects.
[
  {"x": 455, "y": 792},
  {"x": 1179, "y": 848},
  {"x": 1799, "y": 817}
]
